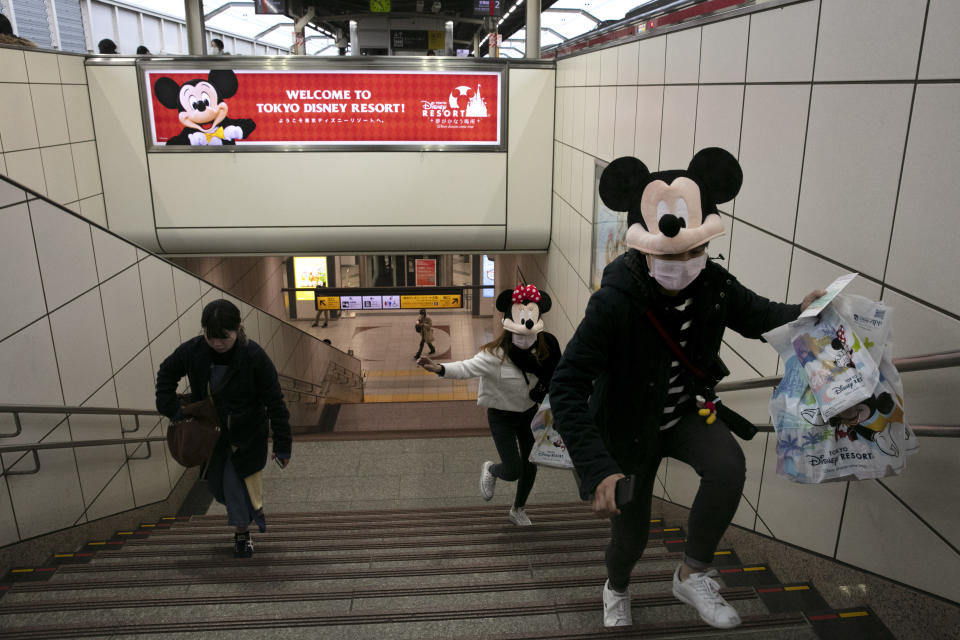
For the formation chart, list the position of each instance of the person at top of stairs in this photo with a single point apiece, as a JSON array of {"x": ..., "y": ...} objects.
[
  {"x": 514, "y": 370},
  {"x": 635, "y": 383},
  {"x": 239, "y": 377}
]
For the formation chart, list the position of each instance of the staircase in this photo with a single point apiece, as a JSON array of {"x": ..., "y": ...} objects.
[{"x": 460, "y": 572}]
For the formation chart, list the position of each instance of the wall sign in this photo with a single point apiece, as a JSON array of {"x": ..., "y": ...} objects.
[
  {"x": 426, "y": 272},
  {"x": 482, "y": 8},
  {"x": 390, "y": 299},
  {"x": 232, "y": 109},
  {"x": 408, "y": 39}
]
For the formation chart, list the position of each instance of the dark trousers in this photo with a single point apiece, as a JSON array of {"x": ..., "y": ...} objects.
[
  {"x": 514, "y": 440},
  {"x": 429, "y": 344},
  {"x": 717, "y": 458}
]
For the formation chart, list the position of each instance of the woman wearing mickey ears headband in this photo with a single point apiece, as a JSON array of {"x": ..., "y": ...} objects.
[{"x": 515, "y": 371}]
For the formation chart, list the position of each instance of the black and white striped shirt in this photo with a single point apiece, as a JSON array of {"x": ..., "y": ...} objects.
[{"x": 676, "y": 316}]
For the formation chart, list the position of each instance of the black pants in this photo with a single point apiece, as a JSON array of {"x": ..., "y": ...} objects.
[
  {"x": 514, "y": 440},
  {"x": 717, "y": 458},
  {"x": 429, "y": 344}
]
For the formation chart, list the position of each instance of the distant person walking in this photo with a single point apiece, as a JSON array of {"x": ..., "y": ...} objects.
[
  {"x": 238, "y": 376},
  {"x": 107, "y": 46},
  {"x": 216, "y": 48},
  {"x": 424, "y": 327},
  {"x": 7, "y": 36},
  {"x": 515, "y": 370},
  {"x": 318, "y": 293}
]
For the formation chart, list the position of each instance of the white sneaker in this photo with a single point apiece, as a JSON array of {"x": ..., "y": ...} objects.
[
  {"x": 700, "y": 590},
  {"x": 487, "y": 480},
  {"x": 519, "y": 517},
  {"x": 616, "y": 608}
]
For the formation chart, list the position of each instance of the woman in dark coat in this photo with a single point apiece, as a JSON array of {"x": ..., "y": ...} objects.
[{"x": 242, "y": 382}]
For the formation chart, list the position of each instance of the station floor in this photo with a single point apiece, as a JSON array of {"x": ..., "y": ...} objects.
[{"x": 385, "y": 342}]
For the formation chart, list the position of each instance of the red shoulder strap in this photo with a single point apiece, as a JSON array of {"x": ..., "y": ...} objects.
[{"x": 674, "y": 347}]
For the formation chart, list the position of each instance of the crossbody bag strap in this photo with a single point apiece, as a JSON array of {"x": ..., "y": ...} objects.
[{"x": 674, "y": 347}]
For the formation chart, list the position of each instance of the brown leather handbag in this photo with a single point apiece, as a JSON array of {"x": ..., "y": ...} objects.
[{"x": 192, "y": 440}]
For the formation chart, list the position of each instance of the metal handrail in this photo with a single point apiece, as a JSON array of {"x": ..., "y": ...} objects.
[
  {"x": 926, "y": 362},
  {"x": 912, "y": 363},
  {"x": 942, "y": 360}
]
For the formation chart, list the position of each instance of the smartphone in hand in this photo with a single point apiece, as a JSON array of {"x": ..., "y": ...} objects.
[
  {"x": 279, "y": 462},
  {"x": 626, "y": 486}
]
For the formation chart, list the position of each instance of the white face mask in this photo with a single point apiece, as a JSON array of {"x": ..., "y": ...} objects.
[
  {"x": 674, "y": 275},
  {"x": 524, "y": 341}
]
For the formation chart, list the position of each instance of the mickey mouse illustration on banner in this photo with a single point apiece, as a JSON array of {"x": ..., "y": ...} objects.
[
  {"x": 515, "y": 370},
  {"x": 202, "y": 109}
]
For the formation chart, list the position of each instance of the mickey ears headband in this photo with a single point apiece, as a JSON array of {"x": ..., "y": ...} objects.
[{"x": 523, "y": 294}]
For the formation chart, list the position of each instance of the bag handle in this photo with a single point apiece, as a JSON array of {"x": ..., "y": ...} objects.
[{"x": 674, "y": 347}]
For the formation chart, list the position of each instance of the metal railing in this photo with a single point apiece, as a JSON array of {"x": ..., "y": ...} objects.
[
  {"x": 313, "y": 393},
  {"x": 926, "y": 362},
  {"x": 35, "y": 447},
  {"x": 914, "y": 363}
]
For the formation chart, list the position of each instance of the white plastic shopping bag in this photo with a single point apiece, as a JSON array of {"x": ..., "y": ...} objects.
[
  {"x": 548, "y": 448},
  {"x": 869, "y": 438},
  {"x": 838, "y": 367}
]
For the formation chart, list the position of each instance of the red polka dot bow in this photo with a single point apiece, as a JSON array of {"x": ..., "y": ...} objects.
[
  {"x": 525, "y": 293},
  {"x": 842, "y": 335}
]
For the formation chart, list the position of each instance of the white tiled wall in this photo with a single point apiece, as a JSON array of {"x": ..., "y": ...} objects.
[
  {"x": 46, "y": 129},
  {"x": 87, "y": 320},
  {"x": 843, "y": 114}
]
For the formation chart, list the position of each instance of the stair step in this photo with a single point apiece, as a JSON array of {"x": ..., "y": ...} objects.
[
  {"x": 221, "y": 558},
  {"x": 376, "y": 515},
  {"x": 593, "y": 581},
  {"x": 788, "y": 626},
  {"x": 512, "y": 536},
  {"x": 347, "y": 612},
  {"x": 543, "y": 522},
  {"x": 655, "y": 565}
]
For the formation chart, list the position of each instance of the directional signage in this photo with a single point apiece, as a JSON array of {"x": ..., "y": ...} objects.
[
  {"x": 388, "y": 299},
  {"x": 328, "y": 302},
  {"x": 432, "y": 301}
]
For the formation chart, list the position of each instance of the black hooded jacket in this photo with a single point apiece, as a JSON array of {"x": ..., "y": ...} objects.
[
  {"x": 608, "y": 391},
  {"x": 248, "y": 398}
]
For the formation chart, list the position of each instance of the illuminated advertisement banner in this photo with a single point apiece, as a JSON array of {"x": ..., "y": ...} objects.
[
  {"x": 309, "y": 272},
  {"x": 234, "y": 108}
]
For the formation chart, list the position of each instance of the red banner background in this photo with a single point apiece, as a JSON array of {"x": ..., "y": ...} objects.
[{"x": 406, "y": 123}]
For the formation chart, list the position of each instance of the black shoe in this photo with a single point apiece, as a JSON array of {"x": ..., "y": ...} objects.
[
  {"x": 315, "y": 324},
  {"x": 416, "y": 356},
  {"x": 324, "y": 325},
  {"x": 432, "y": 351},
  {"x": 242, "y": 545},
  {"x": 261, "y": 519}
]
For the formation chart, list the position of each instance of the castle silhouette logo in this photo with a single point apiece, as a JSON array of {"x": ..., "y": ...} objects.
[{"x": 463, "y": 102}]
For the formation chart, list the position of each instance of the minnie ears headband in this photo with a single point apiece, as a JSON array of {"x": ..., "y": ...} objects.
[{"x": 523, "y": 294}]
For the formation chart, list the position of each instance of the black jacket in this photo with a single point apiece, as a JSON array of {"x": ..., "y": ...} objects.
[
  {"x": 609, "y": 389},
  {"x": 246, "y": 400}
]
